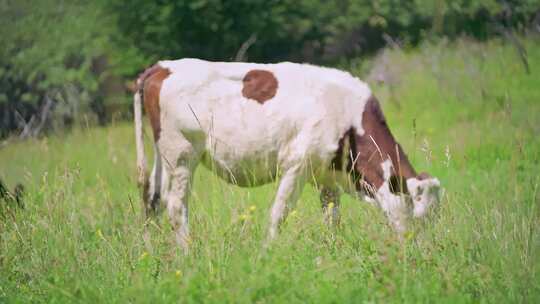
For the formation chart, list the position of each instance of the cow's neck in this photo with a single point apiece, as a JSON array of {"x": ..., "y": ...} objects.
[{"x": 377, "y": 146}]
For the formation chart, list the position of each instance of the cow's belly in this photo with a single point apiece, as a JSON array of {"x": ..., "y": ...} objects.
[
  {"x": 245, "y": 170},
  {"x": 242, "y": 142}
]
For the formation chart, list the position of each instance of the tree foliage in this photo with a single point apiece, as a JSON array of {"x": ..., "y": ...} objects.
[
  {"x": 81, "y": 53},
  {"x": 316, "y": 31},
  {"x": 56, "y": 49}
]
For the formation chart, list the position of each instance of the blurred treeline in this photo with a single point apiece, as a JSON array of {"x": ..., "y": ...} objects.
[{"x": 63, "y": 62}]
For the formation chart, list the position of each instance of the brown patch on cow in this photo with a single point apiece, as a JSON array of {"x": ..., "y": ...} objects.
[
  {"x": 139, "y": 83},
  {"x": 375, "y": 146},
  {"x": 259, "y": 85},
  {"x": 343, "y": 160},
  {"x": 149, "y": 82}
]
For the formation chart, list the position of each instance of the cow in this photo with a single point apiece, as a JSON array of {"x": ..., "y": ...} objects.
[{"x": 252, "y": 124}]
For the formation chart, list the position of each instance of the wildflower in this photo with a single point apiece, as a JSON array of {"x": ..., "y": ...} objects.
[
  {"x": 99, "y": 234},
  {"x": 178, "y": 273},
  {"x": 252, "y": 208},
  {"x": 426, "y": 149},
  {"x": 244, "y": 217},
  {"x": 448, "y": 156},
  {"x": 143, "y": 255},
  {"x": 409, "y": 235},
  {"x": 330, "y": 206}
]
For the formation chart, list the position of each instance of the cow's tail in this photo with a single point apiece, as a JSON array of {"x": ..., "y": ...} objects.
[{"x": 139, "y": 143}]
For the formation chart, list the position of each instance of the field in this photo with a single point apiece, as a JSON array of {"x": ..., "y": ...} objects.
[{"x": 466, "y": 112}]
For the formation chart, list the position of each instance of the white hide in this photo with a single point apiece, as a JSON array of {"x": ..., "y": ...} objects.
[
  {"x": 394, "y": 205},
  {"x": 424, "y": 194},
  {"x": 387, "y": 169},
  {"x": 246, "y": 142}
]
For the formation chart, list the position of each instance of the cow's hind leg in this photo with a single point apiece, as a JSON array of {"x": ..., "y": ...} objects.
[
  {"x": 330, "y": 204},
  {"x": 180, "y": 160},
  {"x": 290, "y": 187},
  {"x": 158, "y": 186},
  {"x": 154, "y": 194}
]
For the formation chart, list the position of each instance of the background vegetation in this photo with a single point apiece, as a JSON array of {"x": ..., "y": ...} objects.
[
  {"x": 71, "y": 60},
  {"x": 460, "y": 86},
  {"x": 466, "y": 112}
]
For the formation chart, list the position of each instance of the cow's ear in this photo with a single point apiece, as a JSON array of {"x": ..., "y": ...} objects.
[
  {"x": 434, "y": 182},
  {"x": 423, "y": 176}
]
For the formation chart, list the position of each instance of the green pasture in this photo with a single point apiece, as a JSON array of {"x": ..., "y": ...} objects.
[{"x": 467, "y": 113}]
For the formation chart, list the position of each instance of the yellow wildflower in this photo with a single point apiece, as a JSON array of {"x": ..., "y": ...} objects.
[
  {"x": 178, "y": 273},
  {"x": 252, "y": 208},
  {"x": 409, "y": 235}
]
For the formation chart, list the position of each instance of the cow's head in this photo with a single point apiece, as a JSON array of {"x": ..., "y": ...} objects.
[
  {"x": 425, "y": 193},
  {"x": 385, "y": 174}
]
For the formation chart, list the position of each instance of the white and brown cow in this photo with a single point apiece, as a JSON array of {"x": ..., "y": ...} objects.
[{"x": 255, "y": 123}]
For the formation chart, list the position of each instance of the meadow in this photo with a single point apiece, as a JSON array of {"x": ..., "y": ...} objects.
[{"x": 466, "y": 112}]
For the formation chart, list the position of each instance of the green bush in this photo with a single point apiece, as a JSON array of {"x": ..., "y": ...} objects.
[
  {"x": 62, "y": 50},
  {"x": 80, "y": 54}
]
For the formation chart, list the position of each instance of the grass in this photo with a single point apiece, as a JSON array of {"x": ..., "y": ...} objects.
[{"x": 465, "y": 112}]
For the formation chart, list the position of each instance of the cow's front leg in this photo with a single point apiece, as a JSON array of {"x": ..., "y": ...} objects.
[
  {"x": 330, "y": 204},
  {"x": 290, "y": 187}
]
